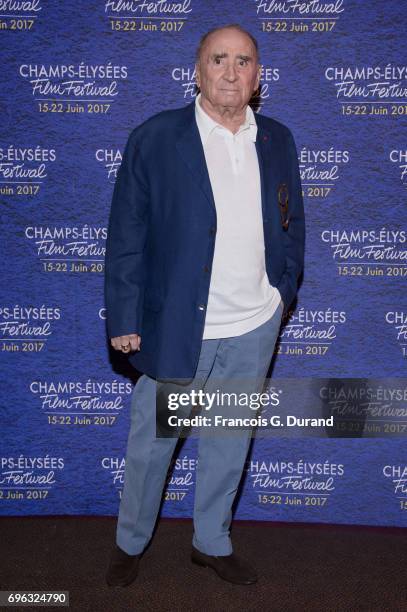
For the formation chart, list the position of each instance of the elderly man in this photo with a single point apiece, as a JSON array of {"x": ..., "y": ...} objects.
[{"x": 204, "y": 251}]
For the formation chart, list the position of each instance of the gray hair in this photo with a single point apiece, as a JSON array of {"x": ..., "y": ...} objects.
[{"x": 234, "y": 26}]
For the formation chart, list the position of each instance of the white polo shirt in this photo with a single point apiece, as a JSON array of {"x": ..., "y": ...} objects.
[{"x": 240, "y": 295}]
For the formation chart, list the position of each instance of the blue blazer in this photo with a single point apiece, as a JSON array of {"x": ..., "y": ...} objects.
[{"x": 162, "y": 232}]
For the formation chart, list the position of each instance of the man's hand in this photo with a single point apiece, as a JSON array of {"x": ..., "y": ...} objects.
[{"x": 126, "y": 343}]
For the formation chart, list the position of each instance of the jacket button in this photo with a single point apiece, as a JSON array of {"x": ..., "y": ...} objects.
[
  {"x": 212, "y": 231},
  {"x": 206, "y": 268},
  {"x": 201, "y": 307}
]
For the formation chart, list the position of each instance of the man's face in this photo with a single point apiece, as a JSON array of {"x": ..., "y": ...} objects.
[{"x": 228, "y": 73}]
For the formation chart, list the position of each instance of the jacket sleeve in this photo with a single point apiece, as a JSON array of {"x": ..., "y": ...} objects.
[
  {"x": 125, "y": 244},
  {"x": 294, "y": 236}
]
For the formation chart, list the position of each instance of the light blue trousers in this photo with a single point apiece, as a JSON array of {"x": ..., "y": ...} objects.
[{"x": 221, "y": 460}]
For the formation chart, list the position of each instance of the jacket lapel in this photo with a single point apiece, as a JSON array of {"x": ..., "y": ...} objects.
[
  {"x": 190, "y": 148},
  {"x": 269, "y": 165}
]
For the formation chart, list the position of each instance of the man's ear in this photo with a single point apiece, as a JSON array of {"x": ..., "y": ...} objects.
[
  {"x": 197, "y": 74},
  {"x": 258, "y": 75}
]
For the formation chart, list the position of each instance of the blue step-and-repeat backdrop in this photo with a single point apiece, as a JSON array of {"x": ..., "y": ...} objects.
[{"x": 76, "y": 78}]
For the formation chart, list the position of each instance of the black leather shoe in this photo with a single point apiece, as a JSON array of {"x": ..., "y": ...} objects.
[
  {"x": 230, "y": 567},
  {"x": 123, "y": 568}
]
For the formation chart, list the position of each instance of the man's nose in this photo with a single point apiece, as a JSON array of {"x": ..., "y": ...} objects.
[{"x": 230, "y": 72}]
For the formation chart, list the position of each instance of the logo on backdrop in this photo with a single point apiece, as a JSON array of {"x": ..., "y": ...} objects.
[
  {"x": 115, "y": 467},
  {"x": 148, "y": 15},
  {"x": 181, "y": 478},
  {"x": 27, "y": 328},
  {"x": 398, "y": 321},
  {"x": 23, "y": 170},
  {"x": 298, "y": 16},
  {"x": 186, "y": 78},
  {"x": 368, "y": 252},
  {"x": 399, "y": 157},
  {"x": 309, "y": 332},
  {"x": 320, "y": 170},
  {"x": 19, "y": 15},
  {"x": 397, "y": 476},
  {"x": 26, "y": 477},
  {"x": 74, "y": 89},
  {"x": 81, "y": 403},
  {"x": 110, "y": 159},
  {"x": 68, "y": 248},
  {"x": 293, "y": 483},
  {"x": 367, "y": 407},
  {"x": 369, "y": 90}
]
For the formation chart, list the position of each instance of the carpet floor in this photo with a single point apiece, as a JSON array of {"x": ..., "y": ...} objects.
[{"x": 302, "y": 566}]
